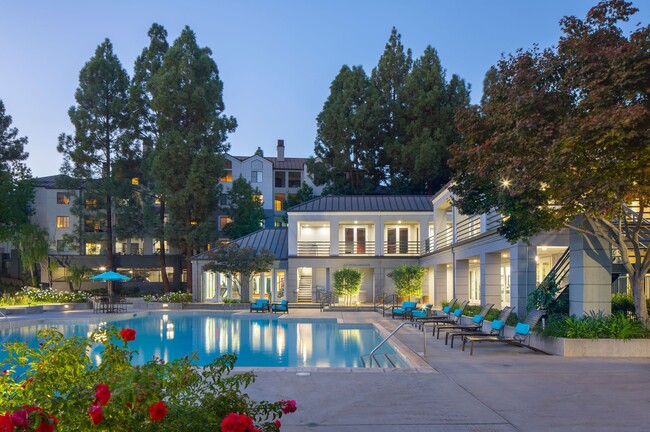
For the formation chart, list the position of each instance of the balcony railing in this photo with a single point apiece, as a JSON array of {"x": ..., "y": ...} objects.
[
  {"x": 357, "y": 248},
  {"x": 444, "y": 237},
  {"x": 493, "y": 220},
  {"x": 402, "y": 248},
  {"x": 470, "y": 227},
  {"x": 313, "y": 248}
]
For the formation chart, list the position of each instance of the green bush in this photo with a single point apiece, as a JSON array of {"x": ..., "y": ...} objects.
[
  {"x": 547, "y": 297},
  {"x": 347, "y": 282},
  {"x": 59, "y": 378},
  {"x": 622, "y": 303},
  {"x": 408, "y": 280},
  {"x": 31, "y": 295},
  {"x": 172, "y": 297},
  {"x": 595, "y": 326}
]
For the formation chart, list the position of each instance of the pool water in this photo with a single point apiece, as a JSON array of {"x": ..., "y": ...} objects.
[{"x": 258, "y": 342}]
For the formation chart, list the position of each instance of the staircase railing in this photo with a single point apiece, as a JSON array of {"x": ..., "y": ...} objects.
[
  {"x": 326, "y": 299},
  {"x": 385, "y": 302},
  {"x": 371, "y": 356}
]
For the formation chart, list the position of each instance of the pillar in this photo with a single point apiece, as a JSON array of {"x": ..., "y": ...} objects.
[
  {"x": 491, "y": 279},
  {"x": 522, "y": 275},
  {"x": 461, "y": 280},
  {"x": 590, "y": 275},
  {"x": 440, "y": 286}
]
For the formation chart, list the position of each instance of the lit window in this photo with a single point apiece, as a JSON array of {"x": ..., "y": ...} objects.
[
  {"x": 91, "y": 203},
  {"x": 135, "y": 181},
  {"x": 63, "y": 221},
  {"x": 223, "y": 221},
  {"x": 227, "y": 168},
  {"x": 256, "y": 177},
  {"x": 62, "y": 198},
  {"x": 259, "y": 199},
  {"x": 93, "y": 248},
  {"x": 278, "y": 202}
]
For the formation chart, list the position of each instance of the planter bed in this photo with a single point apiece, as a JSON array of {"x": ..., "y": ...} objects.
[
  {"x": 60, "y": 307},
  {"x": 21, "y": 310},
  {"x": 592, "y": 347}
]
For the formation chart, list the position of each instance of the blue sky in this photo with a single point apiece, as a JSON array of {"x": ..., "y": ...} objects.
[{"x": 276, "y": 58}]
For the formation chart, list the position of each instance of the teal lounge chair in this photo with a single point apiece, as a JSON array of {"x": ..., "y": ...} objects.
[
  {"x": 283, "y": 306},
  {"x": 421, "y": 313},
  {"x": 495, "y": 329},
  {"x": 262, "y": 305},
  {"x": 520, "y": 338},
  {"x": 452, "y": 318},
  {"x": 477, "y": 322},
  {"x": 404, "y": 311}
]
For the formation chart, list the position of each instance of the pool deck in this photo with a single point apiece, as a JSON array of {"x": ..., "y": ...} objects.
[{"x": 499, "y": 388}]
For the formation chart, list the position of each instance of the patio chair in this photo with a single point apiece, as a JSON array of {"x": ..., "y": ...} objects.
[
  {"x": 477, "y": 321},
  {"x": 452, "y": 318},
  {"x": 404, "y": 311},
  {"x": 496, "y": 328},
  {"x": 520, "y": 338},
  {"x": 262, "y": 305},
  {"x": 283, "y": 306},
  {"x": 422, "y": 313}
]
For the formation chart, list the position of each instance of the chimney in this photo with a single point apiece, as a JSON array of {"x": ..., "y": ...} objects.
[{"x": 280, "y": 150}]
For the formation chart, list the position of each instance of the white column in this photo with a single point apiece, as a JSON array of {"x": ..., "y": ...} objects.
[
  {"x": 522, "y": 275},
  {"x": 491, "y": 279},
  {"x": 590, "y": 275},
  {"x": 461, "y": 280}
]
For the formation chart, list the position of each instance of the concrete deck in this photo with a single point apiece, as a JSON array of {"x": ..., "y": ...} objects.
[{"x": 499, "y": 388}]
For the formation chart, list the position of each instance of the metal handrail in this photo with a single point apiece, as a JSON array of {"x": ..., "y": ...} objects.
[
  {"x": 7, "y": 318},
  {"x": 372, "y": 353}
]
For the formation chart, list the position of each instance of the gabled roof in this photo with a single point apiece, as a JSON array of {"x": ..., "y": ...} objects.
[
  {"x": 273, "y": 239},
  {"x": 52, "y": 182},
  {"x": 289, "y": 163},
  {"x": 366, "y": 203}
]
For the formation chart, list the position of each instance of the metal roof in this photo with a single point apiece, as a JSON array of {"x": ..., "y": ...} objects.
[
  {"x": 366, "y": 203},
  {"x": 58, "y": 181},
  {"x": 289, "y": 163},
  {"x": 273, "y": 239}
]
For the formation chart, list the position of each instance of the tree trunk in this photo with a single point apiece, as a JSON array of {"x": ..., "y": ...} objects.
[
  {"x": 162, "y": 254},
  {"x": 245, "y": 285},
  {"x": 640, "y": 305},
  {"x": 188, "y": 267}
]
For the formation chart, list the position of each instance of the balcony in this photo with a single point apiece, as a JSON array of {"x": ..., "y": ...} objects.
[
  {"x": 402, "y": 248},
  {"x": 357, "y": 248},
  {"x": 313, "y": 248},
  {"x": 468, "y": 228}
]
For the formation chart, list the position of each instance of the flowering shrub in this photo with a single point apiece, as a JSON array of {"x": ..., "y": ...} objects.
[
  {"x": 44, "y": 295},
  {"x": 57, "y": 387},
  {"x": 172, "y": 297}
]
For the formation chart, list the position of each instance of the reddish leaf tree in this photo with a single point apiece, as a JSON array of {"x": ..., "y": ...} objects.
[{"x": 564, "y": 132}]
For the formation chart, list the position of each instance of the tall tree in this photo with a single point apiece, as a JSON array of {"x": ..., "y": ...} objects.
[
  {"x": 346, "y": 150},
  {"x": 245, "y": 210},
  {"x": 100, "y": 119},
  {"x": 239, "y": 264},
  {"x": 389, "y": 79},
  {"x": 15, "y": 188},
  {"x": 32, "y": 243},
  {"x": 188, "y": 158},
  {"x": 562, "y": 139},
  {"x": 430, "y": 103},
  {"x": 144, "y": 129}
]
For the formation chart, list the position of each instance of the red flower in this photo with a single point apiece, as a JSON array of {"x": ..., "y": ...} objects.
[
  {"x": 234, "y": 422},
  {"x": 47, "y": 424},
  {"x": 127, "y": 334},
  {"x": 96, "y": 414},
  {"x": 27, "y": 381},
  {"x": 6, "y": 423},
  {"x": 277, "y": 423},
  {"x": 20, "y": 418},
  {"x": 158, "y": 411},
  {"x": 103, "y": 394},
  {"x": 289, "y": 406}
]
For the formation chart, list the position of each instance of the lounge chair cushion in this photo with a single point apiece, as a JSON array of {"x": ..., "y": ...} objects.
[
  {"x": 477, "y": 319},
  {"x": 446, "y": 309},
  {"x": 458, "y": 312},
  {"x": 522, "y": 329},
  {"x": 497, "y": 324}
]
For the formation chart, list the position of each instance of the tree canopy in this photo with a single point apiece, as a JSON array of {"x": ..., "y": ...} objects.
[
  {"x": 408, "y": 280},
  {"x": 564, "y": 132},
  {"x": 245, "y": 209},
  {"x": 15, "y": 187},
  {"x": 347, "y": 282}
]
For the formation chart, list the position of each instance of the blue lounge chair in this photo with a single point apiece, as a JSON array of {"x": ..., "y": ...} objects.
[
  {"x": 283, "y": 306},
  {"x": 477, "y": 322},
  {"x": 495, "y": 329},
  {"x": 422, "y": 313},
  {"x": 262, "y": 305},
  {"x": 404, "y": 311}
]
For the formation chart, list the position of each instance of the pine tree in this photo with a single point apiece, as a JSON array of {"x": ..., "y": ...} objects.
[
  {"x": 100, "y": 119},
  {"x": 245, "y": 210},
  {"x": 188, "y": 158}
]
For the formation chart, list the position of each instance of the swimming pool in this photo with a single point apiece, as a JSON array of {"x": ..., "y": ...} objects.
[{"x": 258, "y": 342}]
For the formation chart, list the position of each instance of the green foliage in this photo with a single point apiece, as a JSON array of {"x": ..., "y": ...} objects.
[
  {"x": 408, "y": 280},
  {"x": 60, "y": 378},
  {"x": 32, "y": 295},
  {"x": 245, "y": 209},
  {"x": 171, "y": 297},
  {"x": 545, "y": 297},
  {"x": 347, "y": 282},
  {"x": 15, "y": 188},
  {"x": 595, "y": 326},
  {"x": 551, "y": 123},
  {"x": 77, "y": 274},
  {"x": 32, "y": 243},
  {"x": 305, "y": 193},
  {"x": 622, "y": 303}
]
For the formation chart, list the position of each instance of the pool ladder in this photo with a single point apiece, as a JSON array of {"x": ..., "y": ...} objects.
[
  {"x": 6, "y": 318},
  {"x": 372, "y": 357}
]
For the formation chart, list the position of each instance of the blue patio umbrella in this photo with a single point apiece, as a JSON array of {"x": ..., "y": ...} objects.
[{"x": 110, "y": 276}]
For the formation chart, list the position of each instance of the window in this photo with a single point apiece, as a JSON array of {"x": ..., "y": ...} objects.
[
  {"x": 280, "y": 179},
  {"x": 278, "y": 202},
  {"x": 294, "y": 179},
  {"x": 93, "y": 248},
  {"x": 227, "y": 168},
  {"x": 256, "y": 177},
  {"x": 91, "y": 203},
  {"x": 62, "y": 198},
  {"x": 259, "y": 199},
  {"x": 135, "y": 181},
  {"x": 91, "y": 225},
  {"x": 223, "y": 221},
  {"x": 397, "y": 240},
  {"x": 223, "y": 200},
  {"x": 63, "y": 221}
]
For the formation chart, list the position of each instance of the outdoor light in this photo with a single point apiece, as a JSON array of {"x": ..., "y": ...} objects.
[
  {"x": 165, "y": 305},
  {"x": 505, "y": 183},
  {"x": 102, "y": 268},
  {"x": 504, "y": 255},
  {"x": 66, "y": 306}
]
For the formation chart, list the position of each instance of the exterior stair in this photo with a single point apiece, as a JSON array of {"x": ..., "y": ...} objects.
[{"x": 304, "y": 289}]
